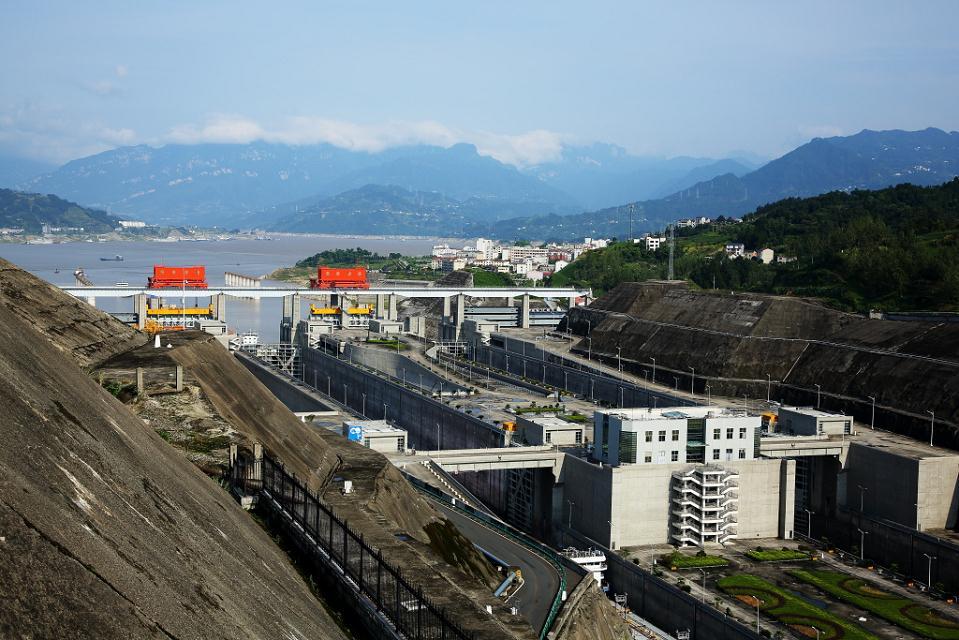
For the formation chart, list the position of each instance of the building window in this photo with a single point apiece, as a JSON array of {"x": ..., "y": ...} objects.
[
  {"x": 648, "y": 456},
  {"x": 649, "y": 436},
  {"x": 717, "y": 434},
  {"x": 729, "y": 454},
  {"x": 662, "y": 436},
  {"x": 549, "y": 437},
  {"x": 742, "y": 454},
  {"x": 675, "y": 435},
  {"x": 742, "y": 432},
  {"x": 715, "y": 454},
  {"x": 674, "y": 456},
  {"x": 729, "y": 433},
  {"x": 627, "y": 447},
  {"x": 578, "y": 437}
]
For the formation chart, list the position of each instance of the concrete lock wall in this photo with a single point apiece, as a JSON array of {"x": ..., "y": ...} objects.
[
  {"x": 395, "y": 364},
  {"x": 583, "y": 382},
  {"x": 296, "y": 400},
  {"x": 938, "y": 492},
  {"x": 890, "y": 482},
  {"x": 416, "y": 413}
]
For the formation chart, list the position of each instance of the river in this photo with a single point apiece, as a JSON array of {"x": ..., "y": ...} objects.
[{"x": 247, "y": 256}]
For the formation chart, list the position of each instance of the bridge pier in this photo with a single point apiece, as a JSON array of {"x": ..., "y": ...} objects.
[
  {"x": 140, "y": 308},
  {"x": 524, "y": 312},
  {"x": 447, "y": 307},
  {"x": 381, "y": 306},
  {"x": 291, "y": 318},
  {"x": 219, "y": 307},
  {"x": 391, "y": 313}
]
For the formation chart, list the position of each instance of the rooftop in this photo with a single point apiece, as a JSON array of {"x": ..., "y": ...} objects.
[
  {"x": 675, "y": 413},
  {"x": 375, "y": 426},
  {"x": 812, "y": 411},
  {"x": 552, "y": 422}
]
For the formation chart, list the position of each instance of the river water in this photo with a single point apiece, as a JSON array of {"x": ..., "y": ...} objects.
[{"x": 248, "y": 256}]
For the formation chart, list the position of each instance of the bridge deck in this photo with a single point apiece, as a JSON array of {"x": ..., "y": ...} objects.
[{"x": 279, "y": 292}]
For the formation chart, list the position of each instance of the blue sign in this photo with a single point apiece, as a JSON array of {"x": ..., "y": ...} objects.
[{"x": 356, "y": 433}]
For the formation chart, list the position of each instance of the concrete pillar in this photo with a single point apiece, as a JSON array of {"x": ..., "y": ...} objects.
[
  {"x": 380, "y": 306},
  {"x": 178, "y": 378},
  {"x": 140, "y": 308},
  {"x": 787, "y": 499},
  {"x": 447, "y": 311},
  {"x": 291, "y": 307},
  {"x": 141, "y": 387},
  {"x": 391, "y": 307},
  {"x": 524, "y": 312},
  {"x": 460, "y": 309},
  {"x": 219, "y": 307},
  {"x": 257, "y": 461},
  {"x": 572, "y": 302}
]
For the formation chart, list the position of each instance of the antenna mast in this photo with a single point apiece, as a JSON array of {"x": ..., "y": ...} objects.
[{"x": 672, "y": 247}]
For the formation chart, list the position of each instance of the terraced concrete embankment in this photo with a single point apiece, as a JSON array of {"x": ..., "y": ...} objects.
[{"x": 734, "y": 340}]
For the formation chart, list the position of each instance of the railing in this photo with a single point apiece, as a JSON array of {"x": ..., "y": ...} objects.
[{"x": 402, "y": 603}]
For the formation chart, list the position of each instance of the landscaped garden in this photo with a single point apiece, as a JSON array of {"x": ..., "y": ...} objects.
[
  {"x": 701, "y": 560},
  {"x": 776, "y": 555},
  {"x": 789, "y": 609},
  {"x": 899, "y": 610}
]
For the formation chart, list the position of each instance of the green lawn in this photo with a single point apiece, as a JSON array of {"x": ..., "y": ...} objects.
[
  {"x": 790, "y": 609},
  {"x": 392, "y": 344},
  {"x": 681, "y": 561},
  {"x": 900, "y": 611},
  {"x": 776, "y": 555}
]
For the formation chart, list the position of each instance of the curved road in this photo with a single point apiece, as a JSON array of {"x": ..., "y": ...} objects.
[{"x": 540, "y": 579}]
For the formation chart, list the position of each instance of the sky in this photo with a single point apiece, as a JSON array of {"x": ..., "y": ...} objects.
[{"x": 518, "y": 79}]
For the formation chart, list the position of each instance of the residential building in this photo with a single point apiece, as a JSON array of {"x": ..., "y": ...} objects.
[
  {"x": 654, "y": 242},
  {"x": 767, "y": 255},
  {"x": 735, "y": 249}
]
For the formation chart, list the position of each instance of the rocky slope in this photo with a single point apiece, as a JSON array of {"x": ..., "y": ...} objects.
[
  {"x": 735, "y": 340},
  {"x": 105, "y": 530}
]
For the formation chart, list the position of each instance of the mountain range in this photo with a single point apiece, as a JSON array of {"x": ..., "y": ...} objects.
[
  {"x": 589, "y": 190},
  {"x": 259, "y": 183},
  {"x": 866, "y": 160}
]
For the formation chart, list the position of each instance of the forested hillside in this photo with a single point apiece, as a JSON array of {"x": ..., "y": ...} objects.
[
  {"x": 31, "y": 211},
  {"x": 892, "y": 249}
]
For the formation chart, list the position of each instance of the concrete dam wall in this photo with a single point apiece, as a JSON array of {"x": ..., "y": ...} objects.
[{"x": 735, "y": 340}]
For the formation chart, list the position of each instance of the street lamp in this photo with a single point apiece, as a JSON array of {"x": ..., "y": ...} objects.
[
  {"x": 363, "y": 411},
  {"x": 769, "y": 386},
  {"x": 654, "y": 369},
  {"x": 756, "y": 598},
  {"x": 385, "y": 407},
  {"x": 862, "y": 494},
  {"x": 862, "y": 544},
  {"x": 708, "y": 395},
  {"x": 676, "y": 378},
  {"x": 872, "y": 420},
  {"x": 569, "y": 520},
  {"x": 692, "y": 382},
  {"x": 438, "y": 436},
  {"x": 344, "y": 395},
  {"x": 817, "y": 632},
  {"x": 818, "y": 395},
  {"x": 619, "y": 360},
  {"x": 589, "y": 348},
  {"x": 929, "y": 578},
  {"x": 932, "y": 426},
  {"x": 809, "y": 515},
  {"x": 704, "y": 582}
]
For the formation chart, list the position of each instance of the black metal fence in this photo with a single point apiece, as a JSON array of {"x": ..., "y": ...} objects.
[{"x": 402, "y": 603}]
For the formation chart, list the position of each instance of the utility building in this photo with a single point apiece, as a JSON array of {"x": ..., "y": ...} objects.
[
  {"x": 807, "y": 421},
  {"x": 378, "y": 435}
]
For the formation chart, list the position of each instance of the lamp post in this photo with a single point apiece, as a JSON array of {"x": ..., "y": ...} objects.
[
  {"x": 818, "y": 395},
  {"x": 676, "y": 378},
  {"x": 862, "y": 544},
  {"x": 438, "y": 447},
  {"x": 872, "y": 419},
  {"x": 569, "y": 519},
  {"x": 817, "y": 632},
  {"x": 385, "y": 407},
  {"x": 654, "y": 369},
  {"x": 692, "y": 382},
  {"x": 363, "y": 410},
  {"x": 589, "y": 348},
  {"x": 619, "y": 360},
  {"x": 932, "y": 426},
  {"x": 344, "y": 395},
  {"x": 809, "y": 515},
  {"x": 862, "y": 493},
  {"x": 929, "y": 575},
  {"x": 756, "y": 598},
  {"x": 704, "y": 583},
  {"x": 708, "y": 394},
  {"x": 769, "y": 387}
]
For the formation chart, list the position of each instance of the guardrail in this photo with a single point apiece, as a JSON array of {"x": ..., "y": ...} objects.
[{"x": 411, "y": 613}]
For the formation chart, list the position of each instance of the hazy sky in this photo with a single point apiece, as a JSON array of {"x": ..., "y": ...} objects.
[{"x": 516, "y": 78}]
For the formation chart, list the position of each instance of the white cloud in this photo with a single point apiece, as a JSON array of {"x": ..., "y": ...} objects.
[
  {"x": 521, "y": 150},
  {"x": 121, "y": 70},
  {"x": 49, "y": 135}
]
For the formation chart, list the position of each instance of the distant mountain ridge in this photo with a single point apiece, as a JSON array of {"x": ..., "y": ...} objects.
[
  {"x": 219, "y": 184},
  {"x": 30, "y": 211},
  {"x": 866, "y": 160}
]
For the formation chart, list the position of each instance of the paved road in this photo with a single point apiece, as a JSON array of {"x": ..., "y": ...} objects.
[{"x": 541, "y": 581}]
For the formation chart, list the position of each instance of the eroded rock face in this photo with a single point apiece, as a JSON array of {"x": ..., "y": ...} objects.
[{"x": 105, "y": 530}]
